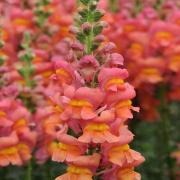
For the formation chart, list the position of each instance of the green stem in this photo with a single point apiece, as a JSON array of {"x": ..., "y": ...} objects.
[
  {"x": 90, "y": 36},
  {"x": 137, "y": 7},
  {"x": 29, "y": 171},
  {"x": 47, "y": 169},
  {"x": 89, "y": 42},
  {"x": 165, "y": 128},
  {"x": 27, "y": 78}
]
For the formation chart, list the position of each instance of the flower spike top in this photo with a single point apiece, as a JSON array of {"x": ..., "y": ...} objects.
[{"x": 95, "y": 105}]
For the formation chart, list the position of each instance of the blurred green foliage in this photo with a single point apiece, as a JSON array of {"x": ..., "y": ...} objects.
[{"x": 148, "y": 141}]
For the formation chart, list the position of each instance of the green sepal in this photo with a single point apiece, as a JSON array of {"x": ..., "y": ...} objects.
[
  {"x": 97, "y": 30},
  {"x": 85, "y": 2},
  {"x": 97, "y": 15},
  {"x": 80, "y": 37},
  {"x": 21, "y": 72}
]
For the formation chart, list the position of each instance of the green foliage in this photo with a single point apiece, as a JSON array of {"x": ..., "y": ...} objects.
[
  {"x": 97, "y": 29},
  {"x": 2, "y": 58},
  {"x": 27, "y": 69},
  {"x": 148, "y": 141},
  {"x": 89, "y": 14},
  {"x": 28, "y": 102},
  {"x": 47, "y": 171},
  {"x": 41, "y": 13}
]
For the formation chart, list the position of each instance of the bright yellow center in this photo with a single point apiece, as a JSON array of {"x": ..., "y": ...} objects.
[
  {"x": 37, "y": 59},
  {"x": 21, "y": 22},
  {"x": 129, "y": 28},
  {"x": 14, "y": 149},
  {"x": 137, "y": 47},
  {"x": 113, "y": 81},
  {"x": 97, "y": 127},
  {"x": 58, "y": 109},
  {"x": 150, "y": 71},
  {"x": 80, "y": 103},
  {"x": 47, "y": 74},
  {"x": 8, "y": 151},
  {"x": 63, "y": 146},
  {"x": 62, "y": 72},
  {"x": 23, "y": 146},
  {"x": 19, "y": 123},
  {"x": 120, "y": 148},
  {"x": 125, "y": 103},
  {"x": 175, "y": 59},
  {"x": 126, "y": 171},
  {"x": 78, "y": 170},
  {"x": 22, "y": 81},
  {"x": 3, "y": 34},
  {"x": 2, "y": 114},
  {"x": 164, "y": 35}
]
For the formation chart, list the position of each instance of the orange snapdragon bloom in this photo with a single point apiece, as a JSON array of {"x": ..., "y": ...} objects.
[
  {"x": 4, "y": 35},
  {"x": 128, "y": 174},
  {"x": 67, "y": 149},
  {"x": 148, "y": 74},
  {"x": 81, "y": 103},
  {"x": 82, "y": 168},
  {"x": 123, "y": 109},
  {"x": 124, "y": 156},
  {"x": 22, "y": 22},
  {"x": 76, "y": 173},
  {"x": 61, "y": 152},
  {"x": 64, "y": 73},
  {"x": 15, "y": 155},
  {"x": 97, "y": 133},
  {"x": 163, "y": 34},
  {"x": 10, "y": 155},
  {"x": 136, "y": 50},
  {"x": 174, "y": 63}
]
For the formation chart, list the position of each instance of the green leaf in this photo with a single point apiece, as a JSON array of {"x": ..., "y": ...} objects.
[
  {"x": 31, "y": 70},
  {"x": 85, "y": 2},
  {"x": 97, "y": 15},
  {"x": 80, "y": 37},
  {"x": 1, "y": 61},
  {"x": 95, "y": 46},
  {"x": 84, "y": 13},
  {"x": 21, "y": 72},
  {"x": 97, "y": 30}
]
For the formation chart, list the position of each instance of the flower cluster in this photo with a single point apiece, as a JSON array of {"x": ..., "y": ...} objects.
[
  {"x": 63, "y": 97},
  {"x": 17, "y": 139},
  {"x": 94, "y": 105},
  {"x": 147, "y": 35}
]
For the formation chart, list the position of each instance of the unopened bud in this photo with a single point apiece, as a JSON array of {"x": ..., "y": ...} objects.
[
  {"x": 77, "y": 46},
  {"x": 73, "y": 30},
  {"x": 99, "y": 38}
]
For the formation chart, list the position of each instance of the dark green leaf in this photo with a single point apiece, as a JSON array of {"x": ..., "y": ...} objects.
[
  {"x": 80, "y": 37},
  {"x": 97, "y": 15},
  {"x": 97, "y": 30},
  {"x": 85, "y": 2}
]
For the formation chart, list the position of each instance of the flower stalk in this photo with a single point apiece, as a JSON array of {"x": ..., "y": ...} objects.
[
  {"x": 29, "y": 171},
  {"x": 165, "y": 126},
  {"x": 26, "y": 57},
  {"x": 88, "y": 21}
]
